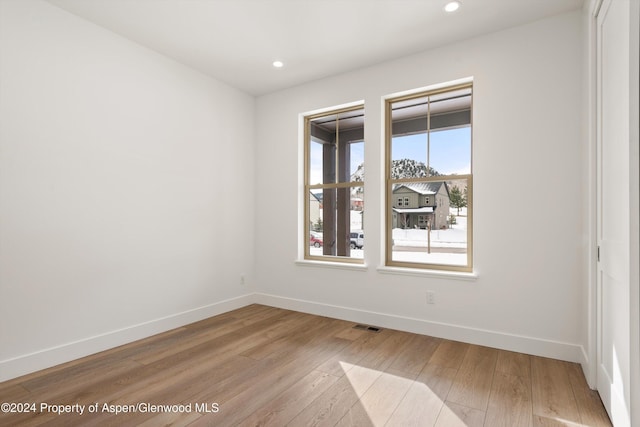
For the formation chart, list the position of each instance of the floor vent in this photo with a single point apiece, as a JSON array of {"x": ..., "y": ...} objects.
[{"x": 367, "y": 328}]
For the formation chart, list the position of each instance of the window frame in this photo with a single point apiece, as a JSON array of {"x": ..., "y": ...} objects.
[
  {"x": 389, "y": 182},
  {"x": 307, "y": 186}
]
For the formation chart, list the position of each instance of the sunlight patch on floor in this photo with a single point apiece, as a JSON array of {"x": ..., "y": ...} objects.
[
  {"x": 566, "y": 423},
  {"x": 360, "y": 377},
  {"x": 394, "y": 400}
]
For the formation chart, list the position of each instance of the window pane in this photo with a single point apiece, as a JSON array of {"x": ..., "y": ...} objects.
[
  {"x": 431, "y": 135},
  {"x": 335, "y": 207},
  {"x": 322, "y": 150},
  {"x": 450, "y": 151},
  {"x": 336, "y": 149},
  {"x": 410, "y": 116},
  {"x": 315, "y": 210},
  {"x": 350, "y": 146},
  {"x": 429, "y": 172},
  {"x": 432, "y": 227},
  {"x": 333, "y": 233},
  {"x": 315, "y": 162},
  {"x": 409, "y": 156},
  {"x": 357, "y": 161}
]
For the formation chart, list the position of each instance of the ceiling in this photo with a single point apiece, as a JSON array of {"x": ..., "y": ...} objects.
[{"x": 236, "y": 41}]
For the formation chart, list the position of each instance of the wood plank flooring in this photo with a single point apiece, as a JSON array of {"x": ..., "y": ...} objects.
[{"x": 264, "y": 366}]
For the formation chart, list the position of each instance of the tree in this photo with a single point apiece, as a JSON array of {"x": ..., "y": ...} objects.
[
  {"x": 409, "y": 168},
  {"x": 404, "y": 220},
  {"x": 457, "y": 198}
]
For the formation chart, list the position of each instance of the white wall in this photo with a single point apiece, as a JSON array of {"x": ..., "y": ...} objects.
[
  {"x": 118, "y": 218},
  {"x": 634, "y": 205},
  {"x": 120, "y": 172},
  {"x": 528, "y": 195}
]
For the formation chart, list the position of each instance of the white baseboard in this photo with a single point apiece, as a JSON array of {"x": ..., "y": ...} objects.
[
  {"x": 588, "y": 368},
  {"x": 518, "y": 343},
  {"x": 46, "y": 358}
]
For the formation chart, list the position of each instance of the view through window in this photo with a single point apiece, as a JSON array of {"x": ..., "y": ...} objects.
[
  {"x": 429, "y": 179},
  {"x": 334, "y": 185}
]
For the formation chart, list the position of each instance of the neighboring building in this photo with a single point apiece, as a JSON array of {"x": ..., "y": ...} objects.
[
  {"x": 417, "y": 204},
  {"x": 357, "y": 204},
  {"x": 315, "y": 210}
]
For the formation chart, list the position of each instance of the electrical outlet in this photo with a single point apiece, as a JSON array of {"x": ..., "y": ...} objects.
[{"x": 431, "y": 297}]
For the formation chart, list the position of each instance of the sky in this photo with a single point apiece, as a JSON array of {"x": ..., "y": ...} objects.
[{"x": 450, "y": 152}]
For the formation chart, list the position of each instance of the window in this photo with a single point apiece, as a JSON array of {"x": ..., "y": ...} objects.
[
  {"x": 428, "y": 161},
  {"x": 334, "y": 184},
  {"x": 402, "y": 201}
]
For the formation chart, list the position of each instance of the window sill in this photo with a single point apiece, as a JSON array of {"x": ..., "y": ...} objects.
[
  {"x": 469, "y": 277},
  {"x": 330, "y": 264}
]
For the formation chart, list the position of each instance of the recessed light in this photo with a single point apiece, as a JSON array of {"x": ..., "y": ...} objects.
[
  {"x": 452, "y": 6},
  {"x": 278, "y": 64}
]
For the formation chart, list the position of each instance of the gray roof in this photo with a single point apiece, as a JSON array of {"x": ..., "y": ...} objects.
[
  {"x": 425, "y": 209},
  {"x": 425, "y": 188}
]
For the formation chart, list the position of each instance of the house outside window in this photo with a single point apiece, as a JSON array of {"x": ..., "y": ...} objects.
[
  {"x": 334, "y": 176},
  {"x": 428, "y": 165}
]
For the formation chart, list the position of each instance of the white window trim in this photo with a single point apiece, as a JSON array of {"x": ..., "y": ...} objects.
[
  {"x": 436, "y": 274},
  {"x": 331, "y": 264}
]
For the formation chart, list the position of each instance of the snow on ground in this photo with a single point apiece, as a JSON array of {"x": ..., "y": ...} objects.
[
  {"x": 455, "y": 237},
  {"x": 404, "y": 240}
]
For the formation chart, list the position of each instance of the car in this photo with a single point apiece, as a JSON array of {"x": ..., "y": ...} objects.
[
  {"x": 315, "y": 240},
  {"x": 356, "y": 239}
]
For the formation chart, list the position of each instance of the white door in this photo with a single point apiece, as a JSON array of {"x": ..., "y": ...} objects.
[{"x": 612, "y": 76}]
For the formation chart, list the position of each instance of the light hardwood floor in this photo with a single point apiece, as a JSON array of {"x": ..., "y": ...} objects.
[{"x": 267, "y": 366}]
